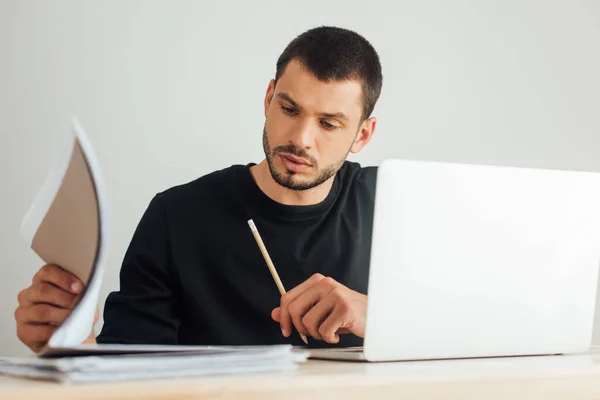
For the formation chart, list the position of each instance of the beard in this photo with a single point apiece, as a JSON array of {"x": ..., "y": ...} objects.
[{"x": 289, "y": 179}]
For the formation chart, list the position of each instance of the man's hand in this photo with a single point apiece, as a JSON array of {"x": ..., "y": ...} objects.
[
  {"x": 45, "y": 304},
  {"x": 322, "y": 308}
]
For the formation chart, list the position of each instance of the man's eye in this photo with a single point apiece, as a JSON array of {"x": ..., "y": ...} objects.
[
  {"x": 328, "y": 126},
  {"x": 288, "y": 110}
]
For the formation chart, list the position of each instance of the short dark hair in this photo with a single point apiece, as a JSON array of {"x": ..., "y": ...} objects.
[{"x": 337, "y": 54}]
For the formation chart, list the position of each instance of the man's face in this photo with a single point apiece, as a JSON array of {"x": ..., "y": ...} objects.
[{"x": 310, "y": 127}]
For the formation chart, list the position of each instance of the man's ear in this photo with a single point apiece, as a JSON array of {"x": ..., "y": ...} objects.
[
  {"x": 269, "y": 96},
  {"x": 367, "y": 129}
]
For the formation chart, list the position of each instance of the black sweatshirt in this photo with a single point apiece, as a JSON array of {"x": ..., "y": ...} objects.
[{"x": 194, "y": 275}]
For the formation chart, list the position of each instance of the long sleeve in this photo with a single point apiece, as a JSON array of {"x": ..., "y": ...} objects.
[{"x": 144, "y": 310}]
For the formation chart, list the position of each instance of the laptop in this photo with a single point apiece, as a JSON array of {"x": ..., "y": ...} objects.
[{"x": 479, "y": 261}]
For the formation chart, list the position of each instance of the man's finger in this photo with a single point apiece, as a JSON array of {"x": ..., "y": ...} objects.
[
  {"x": 58, "y": 277},
  {"x": 275, "y": 314},
  {"x": 42, "y": 314},
  {"x": 35, "y": 335},
  {"x": 284, "y": 316},
  {"x": 301, "y": 305},
  {"x": 330, "y": 328},
  {"x": 313, "y": 319},
  {"x": 47, "y": 293}
]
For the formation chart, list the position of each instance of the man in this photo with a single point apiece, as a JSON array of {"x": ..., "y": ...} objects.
[{"x": 193, "y": 273}]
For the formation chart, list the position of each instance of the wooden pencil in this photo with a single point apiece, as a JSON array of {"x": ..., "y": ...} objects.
[{"x": 270, "y": 265}]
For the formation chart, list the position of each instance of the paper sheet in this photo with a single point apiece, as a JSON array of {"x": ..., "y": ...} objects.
[
  {"x": 132, "y": 349},
  {"x": 67, "y": 225}
]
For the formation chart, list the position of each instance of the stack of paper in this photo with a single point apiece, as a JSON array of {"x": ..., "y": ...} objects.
[{"x": 209, "y": 361}]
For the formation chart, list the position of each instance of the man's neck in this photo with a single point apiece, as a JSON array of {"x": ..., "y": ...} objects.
[{"x": 263, "y": 178}]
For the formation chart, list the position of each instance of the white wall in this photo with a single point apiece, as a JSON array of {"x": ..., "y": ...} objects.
[{"x": 170, "y": 90}]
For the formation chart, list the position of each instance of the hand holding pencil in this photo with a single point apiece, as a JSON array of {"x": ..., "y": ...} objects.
[{"x": 320, "y": 306}]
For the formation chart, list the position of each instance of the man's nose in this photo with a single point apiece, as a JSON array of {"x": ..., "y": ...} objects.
[{"x": 304, "y": 135}]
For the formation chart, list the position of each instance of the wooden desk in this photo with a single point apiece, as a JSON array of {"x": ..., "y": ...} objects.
[{"x": 551, "y": 377}]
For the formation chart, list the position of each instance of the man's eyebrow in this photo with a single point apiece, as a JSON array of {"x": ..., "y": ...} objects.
[
  {"x": 338, "y": 115},
  {"x": 286, "y": 97}
]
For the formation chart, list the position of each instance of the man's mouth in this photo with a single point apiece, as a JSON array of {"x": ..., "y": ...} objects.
[
  {"x": 294, "y": 164},
  {"x": 295, "y": 159}
]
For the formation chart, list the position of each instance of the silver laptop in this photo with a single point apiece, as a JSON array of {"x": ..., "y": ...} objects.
[{"x": 480, "y": 261}]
